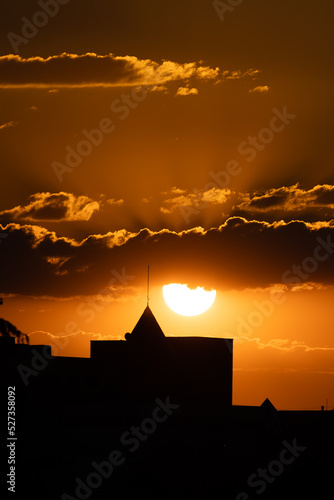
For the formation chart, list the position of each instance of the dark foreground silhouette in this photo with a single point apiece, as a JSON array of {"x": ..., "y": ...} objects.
[
  {"x": 7, "y": 329},
  {"x": 152, "y": 417}
]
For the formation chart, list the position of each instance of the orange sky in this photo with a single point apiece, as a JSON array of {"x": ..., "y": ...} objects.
[{"x": 138, "y": 132}]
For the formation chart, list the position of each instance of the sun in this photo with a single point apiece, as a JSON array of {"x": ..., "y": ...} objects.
[{"x": 188, "y": 302}]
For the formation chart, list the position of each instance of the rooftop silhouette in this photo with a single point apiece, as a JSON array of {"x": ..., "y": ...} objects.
[
  {"x": 165, "y": 404},
  {"x": 147, "y": 329}
]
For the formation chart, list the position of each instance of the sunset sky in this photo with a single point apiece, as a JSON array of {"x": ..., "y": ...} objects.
[{"x": 187, "y": 135}]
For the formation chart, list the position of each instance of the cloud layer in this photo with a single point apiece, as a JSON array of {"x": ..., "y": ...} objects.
[
  {"x": 316, "y": 203},
  {"x": 55, "y": 207},
  {"x": 73, "y": 70},
  {"x": 238, "y": 254},
  {"x": 187, "y": 203},
  {"x": 286, "y": 203}
]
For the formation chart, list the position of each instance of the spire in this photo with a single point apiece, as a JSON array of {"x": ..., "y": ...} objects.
[
  {"x": 148, "y": 286},
  {"x": 147, "y": 329}
]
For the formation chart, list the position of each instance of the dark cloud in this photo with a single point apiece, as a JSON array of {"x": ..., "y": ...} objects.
[
  {"x": 73, "y": 70},
  {"x": 266, "y": 202},
  {"x": 53, "y": 207},
  {"x": 238, "y": 254},
  {"x": 324, "y": 195},
  {"x": 288, "y": 203},
  {"x": 65, "y": 69}
]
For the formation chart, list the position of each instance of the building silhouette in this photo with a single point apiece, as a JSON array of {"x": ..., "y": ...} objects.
[
  {"x": 164, "y": 404},
  {"x": 186, "y": 368}
]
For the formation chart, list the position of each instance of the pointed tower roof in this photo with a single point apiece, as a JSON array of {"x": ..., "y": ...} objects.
[{"x": 147, "y": 329}]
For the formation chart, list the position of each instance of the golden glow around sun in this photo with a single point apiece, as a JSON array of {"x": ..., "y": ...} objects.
[{"x": 186, "y": 301}]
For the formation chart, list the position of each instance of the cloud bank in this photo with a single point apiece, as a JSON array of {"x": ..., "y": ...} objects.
[
  {"x": 90, "y": 70},
  {"x": 55, "y": 207},
  {"x": 287, "y": 202},
  {"x": 238, "y": 254}
]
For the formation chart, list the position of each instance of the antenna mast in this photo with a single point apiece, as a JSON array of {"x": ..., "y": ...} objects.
[{"x": 148, "y": 286}]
